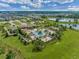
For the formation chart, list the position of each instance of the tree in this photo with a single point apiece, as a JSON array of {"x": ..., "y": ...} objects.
[
  {"x": 58, "y": 35},
  {"x": 10, "y": 55},
  {"x": 1, "y": 51},
  {"x": 38, "y": 45},
  {"x": 19, "y": 30},
  {"x": 6, "y": 34},
  {"x": 76, "y": 20},
  {"x": 43, "y": 16},
  {"x": 62, "y": 28},
  {"x": 57, "y": 20}
]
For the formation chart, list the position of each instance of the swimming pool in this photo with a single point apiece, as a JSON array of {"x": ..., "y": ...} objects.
[{"x": 39, "y": 33}]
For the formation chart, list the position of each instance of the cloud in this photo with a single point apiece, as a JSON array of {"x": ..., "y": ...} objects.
[
  {"x": 54, "y": 5},
  {"x": 24, "y": 7},
  {"x": 17, "y": 1},
  {"x": 62, "y": 1},
  {"x": 4, "y": 5},
  {"x": 9, "y": 1},
  {"x": 73, "y": 8},
  {"x": 36, "y": 3},
  {"x": 46, "y": 1}
]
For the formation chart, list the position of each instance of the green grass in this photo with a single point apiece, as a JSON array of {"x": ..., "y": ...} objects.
[
  {"x": 51, "y": 22},
  {"x": 67, "y": 22},
  {"x": 67, "y": 48},
  {"x": 2, "y": 56}
]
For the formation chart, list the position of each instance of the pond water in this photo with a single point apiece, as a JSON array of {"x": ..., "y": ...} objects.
[
  {"x": 66, "y": 20},
  {"x": 63, "y": 19},
  {"x": 74, "y": 26},
  {"x": 54, "y": 19}
]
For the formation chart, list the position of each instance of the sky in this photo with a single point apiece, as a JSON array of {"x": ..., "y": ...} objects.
[{"x": 39, "y": 5}]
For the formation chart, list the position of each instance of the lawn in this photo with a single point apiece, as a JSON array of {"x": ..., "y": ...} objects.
[{"x": 67, "y": 48}]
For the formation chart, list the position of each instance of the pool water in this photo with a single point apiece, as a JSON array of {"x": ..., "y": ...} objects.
[{"x": 38, "y": 33}]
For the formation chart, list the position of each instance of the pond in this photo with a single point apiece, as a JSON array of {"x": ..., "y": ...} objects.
[
  {"x": 63, "y": 19},
  {"x": 66, "y": 20},
  {"x": 73, "y": 26}
]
